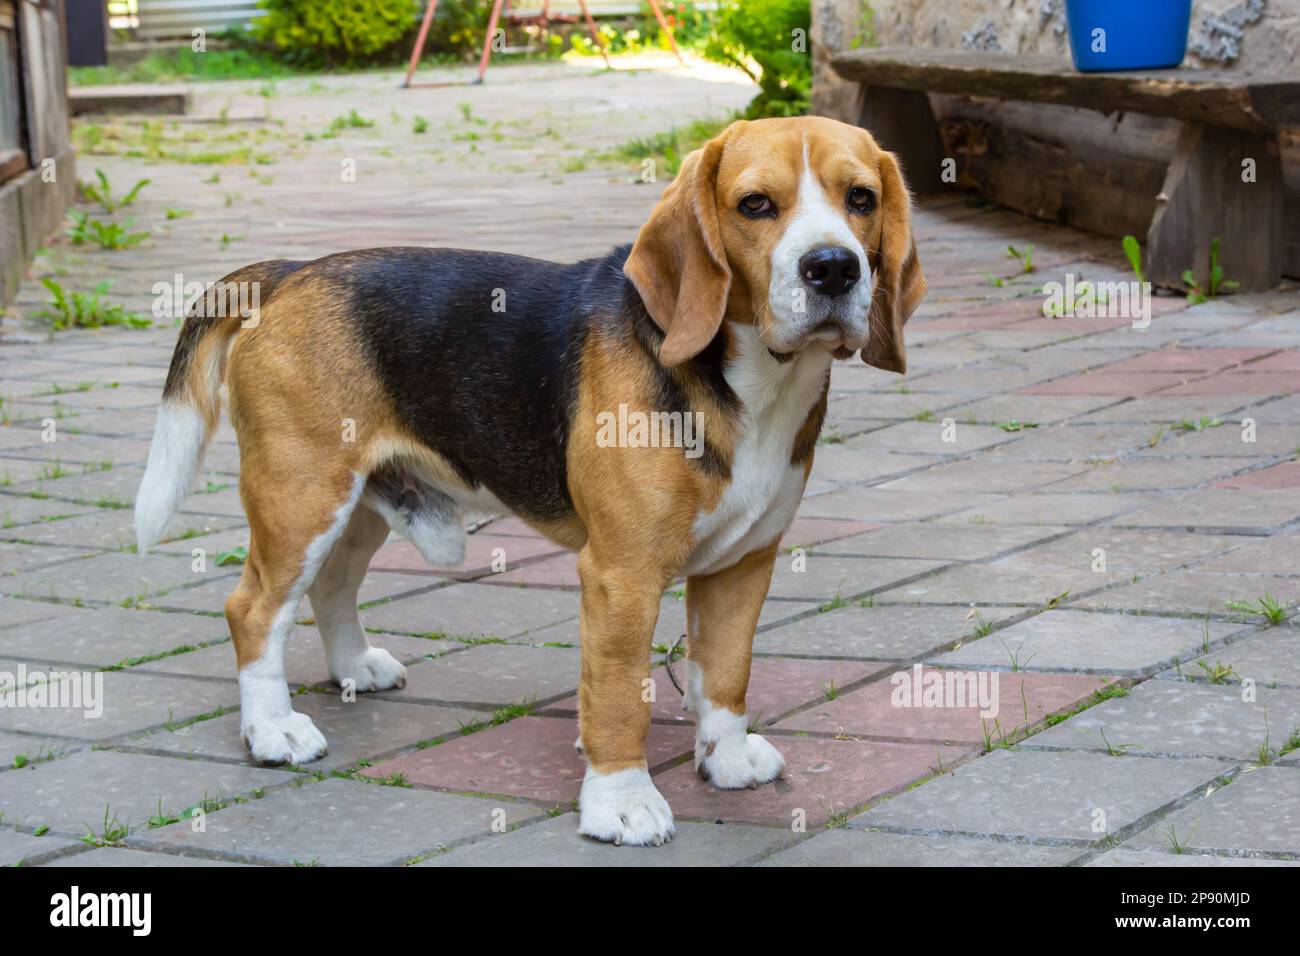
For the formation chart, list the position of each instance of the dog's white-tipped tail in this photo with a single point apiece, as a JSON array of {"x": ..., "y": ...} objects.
[{"x": 180, "y": 437}]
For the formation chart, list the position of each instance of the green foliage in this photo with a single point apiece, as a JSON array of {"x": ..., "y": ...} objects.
[
  {"x": 336, "y": 31},
  {"x": 670, "y": 147},
  {"x": 85, "y": 310},
  {"x": 107, "y": 235},
  {"x": 102, "y": 193},
  {"x": 1197, "y": 293},
  {"x": 239, "y": 60},
  {"x": 769, "y": 40},
  {"x": 1134, "y": 253}
]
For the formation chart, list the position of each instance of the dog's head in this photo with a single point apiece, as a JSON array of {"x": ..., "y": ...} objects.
[{"x": 799, "y": 226}]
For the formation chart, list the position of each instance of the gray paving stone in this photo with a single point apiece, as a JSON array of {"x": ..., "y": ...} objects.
[
  {"x": 1043, "y": 409},
  {"x": 1233, "y": 510},
  {"x": 1269, "y": 657},
  {"x": 890, "y": 633},
  {"x": 71, "y": 794},
  {"x": 1042, "y": 795},
  {"x": 116, "y": 856},
  {"x": 475, "y": 610},
  {"x": 29, "y": 749},
  {"x": 966, "y": 474},
  {"x": 16, "y": 611},
  {"x": 1158, "y": 409},
  {"x": 1190, "y": 592},
  {"x": 104, "y": 528},
  {"x": 26, "y": 519},
  {"x": 1259, "y": 810},
  {"x": 1130, "y": 551},
  {"x": 1181, "y": 720},
  {"x": 111, "y": 577},
  {"x": 824, "y": 578},
  {"x": 1279, "y": 554},
  {"x": 107, "y": 636},
  {"x": 1126, "y": 857},
  {"x": 1068, "y": 640},
  {"x": 340, "y": 823},
  {"x": 1271, "y": 440},
  {"x": 19, "y": 557},
  {"x": 885, "y": 504},
  {"x": 1009, "y": 581},
  {"x": 1150, "y": 474},
  {"x": 24, "y": 849},
  {"x": 952, "y": 542},
  {"x": 496, "y": 674},
  {"x": 304, "y": 656},
  {"x": 1073, "y": 443},
  {"x": 366, "y": 728},
  {"x": 1050, "y": 509},
  {"x": 131, "y": 702},
  {"x": 556, "y": 842},
  {"x": 849, "y": 847}
]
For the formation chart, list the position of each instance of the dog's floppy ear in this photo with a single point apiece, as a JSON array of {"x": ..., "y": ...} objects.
[
  {"x": 900, "y": 286},
  {"x": 678, "y": 265}
]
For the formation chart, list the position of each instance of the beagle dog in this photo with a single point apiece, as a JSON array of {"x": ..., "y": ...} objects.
[{"x": 403, "y": 388}]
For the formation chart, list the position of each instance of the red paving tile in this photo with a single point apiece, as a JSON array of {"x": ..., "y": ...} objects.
[
  {"x": 1188, "y": 360},
  {"x": 531, "y": 757},
  {"x": 1024, "y": 699},
  {"x": 560, "y": 571},
  {"x": 1288, "y": 361},
  {"x": 1241, "y": 381},
  {"x": 1285, "y": 475},
  {"x": 1106, "y": 382},
  {"x": 776, "y": 686},
  {"x": 480, "y": 552},
  {"x": 823, "y": 777}
]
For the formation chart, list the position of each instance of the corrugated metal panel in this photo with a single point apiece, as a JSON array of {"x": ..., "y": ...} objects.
[{"x": 178, "y": 18}]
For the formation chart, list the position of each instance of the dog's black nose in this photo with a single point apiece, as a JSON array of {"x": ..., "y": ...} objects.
[{"x": 830, "y": 270}]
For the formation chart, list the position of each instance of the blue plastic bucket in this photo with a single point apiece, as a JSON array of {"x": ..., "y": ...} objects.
[{"x": 1135, "y": 34}]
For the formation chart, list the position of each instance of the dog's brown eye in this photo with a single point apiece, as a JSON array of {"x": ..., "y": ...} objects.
[
  {"x": 757, "y": 206},
  {"x": 861, "y": 199}
]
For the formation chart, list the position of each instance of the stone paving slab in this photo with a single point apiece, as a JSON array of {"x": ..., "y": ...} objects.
[
  {"x": 17, "y": 611},
  {"x": 1258, "y": 811},
  {"x": 23, "y": 849},
  {"x": 109, "y": 579},
  {"x": 108, "y": 636},
  {"x": 530, "y": 757},
  {"x": 952, "y": 542},
  {"x": 1043, "y": 796},
  {"x": 1191, "y": 592},
  {"x": 304, "y": 657},
  {"x": 1051, "y": 509},
  {"x": 1126, "y": 857},
  {"x": 1285, "y": 475},
  {"x": 883, "y": 632},
  {"x": 1068, "y": 640},
  {"x": 893, "y": 707},
  {"x": 1002, "y": 476},
  {"x": 1233, "y": 510},
  {"x": 211, "y": 596},
  {"x": 556, "y": 842},
  {"x": 1015, "y": 580},
  {"x": 885, "y": 504},
  {"x": 497, "y": 674},
  {"x": 1164, "y": 718},
  {"x": 823, "y": 778},
  {"x": 116, "y": 856},
  {"x": 366, "y": 728},
  {"x": 1276, "y": 555},
  {"x": 474, "y": 610},
  {"x": 846, "y": 847},
  {"x": 1270, "y": 657},
  {"x": 776, "y": 686},
  {"x": 28, "y": 749},
  {"x": 1125, "y": 550},
  {"x": 17, "y": 557},
  {"x": 103, "y": 528},
  {"x": 130, "y": 702},
  {"x": 1227, "y": 441},
  {"x": 825, "y": 578},
  {"x": 71, "y": 794},
  {"x": 340, "y": 823}
]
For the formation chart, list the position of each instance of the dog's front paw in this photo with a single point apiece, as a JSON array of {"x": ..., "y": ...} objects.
[
  {"x": 373, "y": 670},
  {"x": 624, "y": 808},
  {"x": 738, "y": 761},
  {"x": 291, "y": 739}
]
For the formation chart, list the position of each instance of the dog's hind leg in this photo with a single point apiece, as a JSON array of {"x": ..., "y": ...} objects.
[
  {"x": 348, "y": 654},
  {"x": 292, "y": 531}
]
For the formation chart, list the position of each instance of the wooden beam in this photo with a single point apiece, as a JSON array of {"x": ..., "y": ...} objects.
[
  {"x": 903, "y": 123},
  {"x": 1224, "y": 98},
  {"x": 1222, "y": 184}
]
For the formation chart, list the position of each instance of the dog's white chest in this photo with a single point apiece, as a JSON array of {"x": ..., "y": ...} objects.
[{"x": 765, "y": 488}]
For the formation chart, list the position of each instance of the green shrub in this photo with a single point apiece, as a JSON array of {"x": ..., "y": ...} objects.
[
  {"x": 762, "y": 38},
  {"x": 336, "y": 31}
]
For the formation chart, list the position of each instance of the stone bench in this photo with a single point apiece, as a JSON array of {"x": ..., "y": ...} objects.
[{"x": 1225, "y": 180}]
